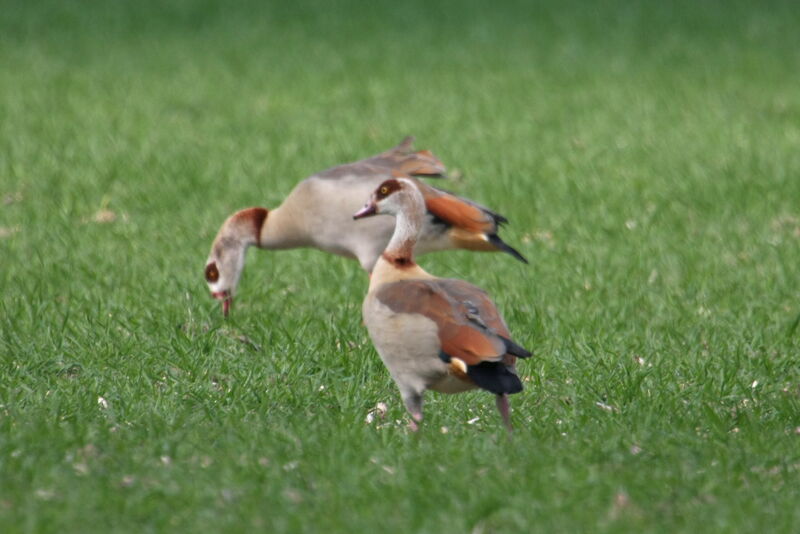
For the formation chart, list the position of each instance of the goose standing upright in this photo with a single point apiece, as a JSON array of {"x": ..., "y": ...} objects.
[
  {"x": 318, "y": 214},
  {"x": 432, "y": 333}
]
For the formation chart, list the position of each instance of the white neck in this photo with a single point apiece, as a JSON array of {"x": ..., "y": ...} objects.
[
  {"x": 406, "y": 232},
  {"x": 397, "y": 261},
  {"x": 281, "y": 230}
]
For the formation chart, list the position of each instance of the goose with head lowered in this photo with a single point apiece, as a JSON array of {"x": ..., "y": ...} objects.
[
  {"x": 318, "y": 214},
  {"x": 432, "y": 333}
]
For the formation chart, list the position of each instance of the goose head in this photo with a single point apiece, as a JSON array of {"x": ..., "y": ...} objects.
[
  {"x": 393, "y": 197},
  {"x": 226, "y": 260}
]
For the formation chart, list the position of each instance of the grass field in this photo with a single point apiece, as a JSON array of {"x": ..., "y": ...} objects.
[{"x": 647, "y": 155}]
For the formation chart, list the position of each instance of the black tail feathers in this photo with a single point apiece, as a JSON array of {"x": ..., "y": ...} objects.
[{"x": 496, "y": 377}]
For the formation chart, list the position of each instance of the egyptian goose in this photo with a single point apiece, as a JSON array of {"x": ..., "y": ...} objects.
[
  {"x": 432, "y": 333},
  {"x": 318, "y": 214}
]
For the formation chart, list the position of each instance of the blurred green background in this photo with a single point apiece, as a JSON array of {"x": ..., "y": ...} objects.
[{"x": 647, "y": 155}]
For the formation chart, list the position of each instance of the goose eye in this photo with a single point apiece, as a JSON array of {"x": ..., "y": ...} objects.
[
  {"x": 384, "y": 190},
  {"x": 212, "y": 274}
]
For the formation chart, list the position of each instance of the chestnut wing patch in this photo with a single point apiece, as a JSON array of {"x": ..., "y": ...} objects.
[
  {"x": 471, "y": 226},
  {"x": 470, "y": 329},
  {"x": 477, "y": 306},
  {"x": 458, "y": 212},
  {"x": 403, "y": 158},
  {"x": 422, "y": 163}
]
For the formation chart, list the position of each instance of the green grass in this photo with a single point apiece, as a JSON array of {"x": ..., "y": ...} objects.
[{"x": 648, "y": 156}]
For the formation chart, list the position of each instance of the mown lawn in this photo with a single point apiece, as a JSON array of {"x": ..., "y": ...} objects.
[{"x": 647, "y": 155}]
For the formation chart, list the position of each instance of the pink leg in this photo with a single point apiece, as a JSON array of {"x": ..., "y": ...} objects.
[
  {"x": 415, "y": 418},
  {"x": 413, "y": 402},
  {"x": 505, "y": 410}
]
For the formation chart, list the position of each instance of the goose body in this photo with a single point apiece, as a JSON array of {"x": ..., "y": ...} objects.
[
  {"x": 318, "y": 214},
  {"x": 432, "y": 333}
]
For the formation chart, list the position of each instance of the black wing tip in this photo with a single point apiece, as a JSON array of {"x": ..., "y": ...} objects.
[
  {"x": 442, "y": 175},
  {"x": 499, "y": 219},
  {"x": 515, "y": 350},
  {"x": 495, "y": 377},
  {"x": 495, "y": 240}
]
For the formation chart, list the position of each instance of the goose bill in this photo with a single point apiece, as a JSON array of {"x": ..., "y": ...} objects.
[
  {"x": 226, "y": 299},
  {"x": 366, "y": 211}
]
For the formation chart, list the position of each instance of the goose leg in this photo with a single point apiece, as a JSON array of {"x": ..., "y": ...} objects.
[
  {"x": 413, "y": 423},
  {"x": 413, "y": 402},
  {"x": 505, "y": 411}
]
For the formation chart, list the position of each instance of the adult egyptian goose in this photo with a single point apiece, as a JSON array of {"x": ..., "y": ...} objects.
[
  {"x": 318, "y": 214},
  {"x": 432, "y": 333}
]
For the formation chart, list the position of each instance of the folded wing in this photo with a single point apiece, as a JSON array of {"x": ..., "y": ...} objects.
[{"x": 469, "y": 328}]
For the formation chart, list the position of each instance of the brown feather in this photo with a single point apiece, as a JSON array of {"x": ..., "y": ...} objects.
[
  {"x": 402, "y": 158},
  {"x": 470, "y": 240},
  {"x": 422, "y": 163},
  {"x": 254, "y": 217},
  {"x": 458, "y": 213},
  {"x": 464, "y": 334}
]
